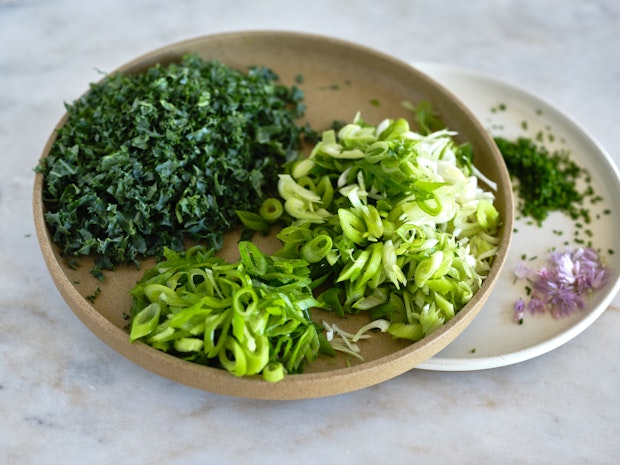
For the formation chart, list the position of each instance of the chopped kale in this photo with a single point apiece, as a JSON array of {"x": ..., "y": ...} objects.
[{"x": 149, "y": 160}]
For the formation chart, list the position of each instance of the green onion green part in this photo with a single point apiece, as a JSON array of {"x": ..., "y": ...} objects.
[{"x": 250, "y": 317}]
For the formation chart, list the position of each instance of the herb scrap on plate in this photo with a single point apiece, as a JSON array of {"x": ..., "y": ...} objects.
[{"x": 145, "y": 161}]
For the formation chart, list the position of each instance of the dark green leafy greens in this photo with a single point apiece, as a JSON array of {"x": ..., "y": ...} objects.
[{"x": 146, "y": 161}]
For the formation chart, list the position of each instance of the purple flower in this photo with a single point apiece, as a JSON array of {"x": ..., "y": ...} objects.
[
  {"x": 559, "y": 286},
  {"x": 535, "y": 306},
  {"x": 521, "y": 270},
  {"x": 560, "y": 299},
  {"x": 564, "y": 268},
  {"x": 519, "y": 310},
  {"x": 599, "y": 279}
]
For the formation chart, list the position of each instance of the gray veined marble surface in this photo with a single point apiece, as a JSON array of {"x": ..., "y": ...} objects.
[{"x": 66, "y": 398}]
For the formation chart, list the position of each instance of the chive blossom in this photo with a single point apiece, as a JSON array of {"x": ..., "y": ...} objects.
[{"x": 559, "y": 287}]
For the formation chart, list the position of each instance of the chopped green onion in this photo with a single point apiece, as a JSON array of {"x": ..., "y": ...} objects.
[
  {"x": 145, "y": 321},
  {"x": 253, "y": 220},
  {"x": 411, "y": 331},
  {"x": 188, "y": 344},
  {"x": 241, "y": 316},
  {"x": 273, "y": 372},
  {"x": 396, "y": 219},
  {"x": 391, "y": 215},
  {"x": 316, "y": 249},
  {"x": 271, "y": 210}
]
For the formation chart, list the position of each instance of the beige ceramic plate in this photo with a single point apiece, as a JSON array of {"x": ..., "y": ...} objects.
[{"x": 339, "y": 79}]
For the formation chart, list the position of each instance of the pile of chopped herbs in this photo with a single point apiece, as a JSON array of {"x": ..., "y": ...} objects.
[
  {"x": 378, "y": 219},
  {"x": 248, "y": 317},
  {"x": 395, "y": 221},
  {"x": 146, "y": 161},
  {"x": 547, "y": 180}
]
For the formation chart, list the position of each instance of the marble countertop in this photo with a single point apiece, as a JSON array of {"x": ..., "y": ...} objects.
[{"x": 67, "y": 398}]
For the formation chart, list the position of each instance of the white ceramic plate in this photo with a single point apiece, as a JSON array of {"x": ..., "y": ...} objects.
[{"x": 494, "y": 339}]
